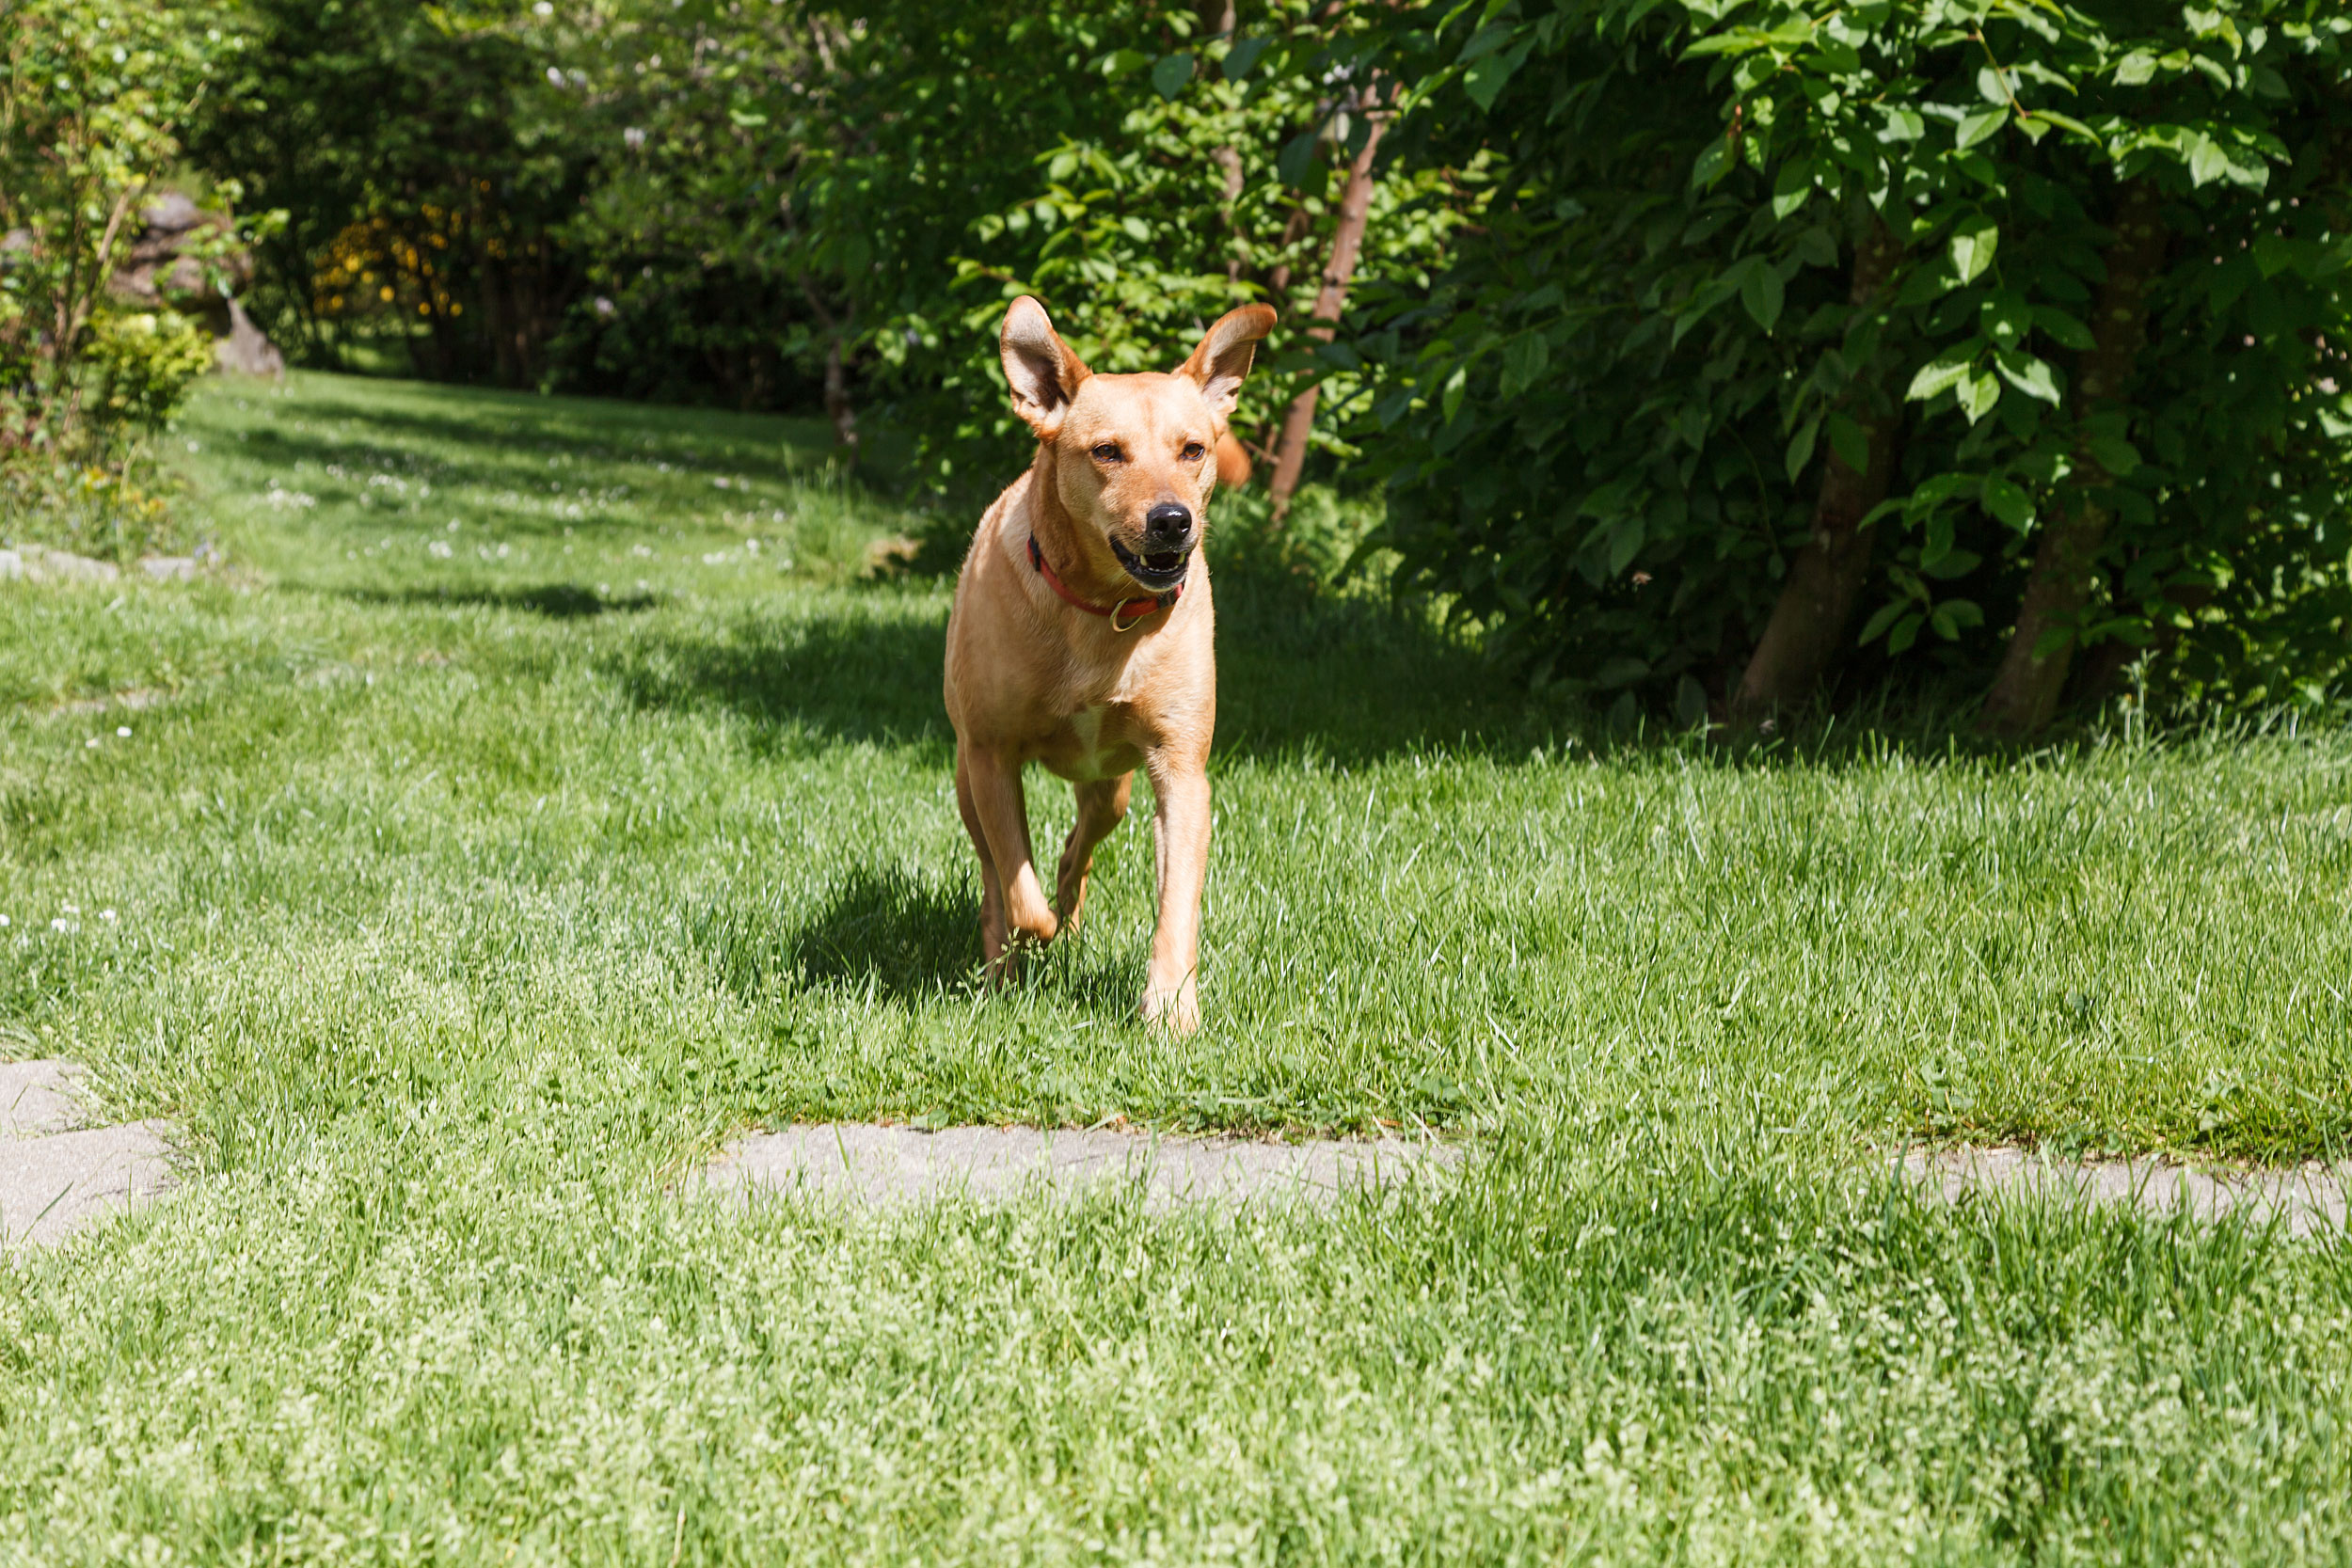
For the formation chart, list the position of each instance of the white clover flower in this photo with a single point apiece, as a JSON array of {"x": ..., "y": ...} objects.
[
  {"x": 123, "y": 730},
  {"x": 3, "y": 922},
  {"x": 91, "y": 743},
  {"x": 107, "y": 915}
]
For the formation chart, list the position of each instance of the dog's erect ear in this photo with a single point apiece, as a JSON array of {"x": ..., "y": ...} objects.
[
  {"x": 1219, "y": 365},
  {"x": 1043, "y": 373}
]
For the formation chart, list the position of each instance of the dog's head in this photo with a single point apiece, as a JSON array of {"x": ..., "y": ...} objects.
[{"x": 1133, "y": 457}]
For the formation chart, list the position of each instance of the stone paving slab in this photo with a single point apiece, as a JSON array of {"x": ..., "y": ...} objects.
[
  {"x": 56, "y": 1175},
  {"x": 870, "y": 1164},
  {"x": 39, "y": 1098},
  {"x": 2310, "y": 1198}
]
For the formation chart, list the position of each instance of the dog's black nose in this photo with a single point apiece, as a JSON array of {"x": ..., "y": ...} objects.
[{"x": 1170, "y": 524}]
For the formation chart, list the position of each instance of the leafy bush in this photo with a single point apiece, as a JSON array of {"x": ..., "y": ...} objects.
[
  {"x": 1710, "y": 350},
  {"x": 94, "y": 97},
  {"x": 1975, "y": 317},
  {"x": 144, "y": 364}
]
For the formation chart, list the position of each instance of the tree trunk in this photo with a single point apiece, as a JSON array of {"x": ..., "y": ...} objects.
[
  {"x": 1347, "y": 244},
  {"x": 2025, "y": 694},
  {"x": 839, "y": 408},
  {"x": 1218, "y": 21},
  {"x": 1807, "y": 629}
]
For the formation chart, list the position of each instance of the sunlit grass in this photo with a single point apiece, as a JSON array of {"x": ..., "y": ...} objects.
[{"x": 470, "y": 882}]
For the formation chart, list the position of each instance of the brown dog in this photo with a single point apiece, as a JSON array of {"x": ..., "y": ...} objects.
[{"x": 1082, "y": 635}]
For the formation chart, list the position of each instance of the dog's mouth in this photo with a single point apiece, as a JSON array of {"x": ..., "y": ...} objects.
[{"x": 1158, "y": 570}]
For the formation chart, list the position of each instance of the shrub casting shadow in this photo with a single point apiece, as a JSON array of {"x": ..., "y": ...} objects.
[
  {"x": 844, "y": 678},
  {"x": 557, "y": 601},
  {"x": 1343, "y": 679}
]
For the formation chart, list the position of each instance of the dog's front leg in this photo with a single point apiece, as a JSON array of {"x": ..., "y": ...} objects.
[
  {"x": 1180, "y": 825},
  {"x": 993, "y": 778}
]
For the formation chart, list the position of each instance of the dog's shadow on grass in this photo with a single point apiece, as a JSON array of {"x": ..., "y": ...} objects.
[
  {"x": 865, "y": 677},
  {"x": 887, "y": 931},
  {"x": 894, "y": 934}
]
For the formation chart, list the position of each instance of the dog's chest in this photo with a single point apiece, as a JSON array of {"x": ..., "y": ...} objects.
[{"x": 1091, "y": 744}]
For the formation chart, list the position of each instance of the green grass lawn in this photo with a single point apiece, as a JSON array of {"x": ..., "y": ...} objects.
[{"x": 544, "y": 793}]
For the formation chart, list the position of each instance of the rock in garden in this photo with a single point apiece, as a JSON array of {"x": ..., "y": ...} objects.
[
  {"x": 39, "y": 564},
  {"x": 56, "y": 1175}
]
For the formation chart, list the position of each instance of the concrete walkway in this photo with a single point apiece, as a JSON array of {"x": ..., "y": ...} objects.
[
  {"x": 2309, "y": 1198},
  {"x": 56, "y": 1175},
  {"x": 871, "y": 1164}
]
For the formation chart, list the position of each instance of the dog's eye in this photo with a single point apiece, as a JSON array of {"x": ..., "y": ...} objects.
[
  {"x": 1194, "y": 451},
  {"x": 1107, "y": 453}
]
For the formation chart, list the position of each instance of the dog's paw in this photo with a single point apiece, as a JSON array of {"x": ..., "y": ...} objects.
[
  {"x": 1175, "y": 1009},
  {"x": 1039, "y": 929}
]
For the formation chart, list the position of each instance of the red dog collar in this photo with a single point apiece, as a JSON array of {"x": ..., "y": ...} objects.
[{"x": 1140, "y": 608}]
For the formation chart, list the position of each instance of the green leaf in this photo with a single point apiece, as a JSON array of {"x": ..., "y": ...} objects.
[
  {"x": 2063, "y": 329},
  {"x": 2008, "y": 500},
  {"x": 2006, "y": 318},
  {"x": 2206, "y": 161},
  {"x": 1523, "y": 359},
  {"x": 1978, "y": 394},
  {"x": 1762, "y": 292},
  {"x": 1961, "y": 612},
  {"x": 1712, "y": 162},
  {"x": 1455, "y": 385},
  {"x": 1953, "y": 563},
  {"x": 1939, "y": 375},
  {"x": 1850, "y": 442},
  {"x": 1906, "y": 632},
  {"x": 1801, "y": 446},
  {"x": 1902, "y": 125},
  {"x": 2113, "y": 453},
  {"x": 1123, "y": 62},
  {"x": 1296, "y": 159},
  {"x": 1690, "y": 703},
  {"x": 1792, "y": 188},
  {"x": 1976, "y": 127},
  {"x": 1486, "y": 42},
  {"x": 2067, "y": 123},
  {"x": 1879, "y": 621},
  {"x": 2028, "y": 374},
  {"x": 1485, "y": 80},
  {"x": 1170, "y": 74},
  {"x": 1624, "y": 543},
  {"x": 1624, "y": 669},
  {"x": 1242, "y": 58},
  {"x": 1974, "y": 241}
]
